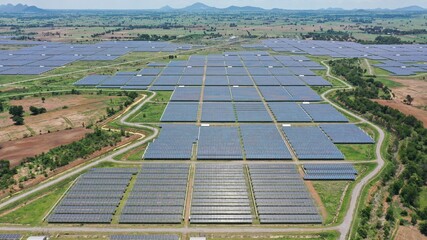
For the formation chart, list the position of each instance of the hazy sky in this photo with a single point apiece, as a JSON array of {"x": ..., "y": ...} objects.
[{"x": 286, "y": 4}]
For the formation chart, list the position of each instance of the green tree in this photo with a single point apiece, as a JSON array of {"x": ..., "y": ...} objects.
[{"x": 18, "y": 120}]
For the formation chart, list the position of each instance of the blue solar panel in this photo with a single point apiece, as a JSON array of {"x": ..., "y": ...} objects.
[
  {"x": 289, "y": 112},
  {"x": 217, "y": 94},
  {"x": 275, "y": 93},
  {"x": 245, "y": 94},
  {"x": 324, "y": 113},
  {"x": 186, "y": 94},
  {"x": 218, "y": 112},
  {"x": 303, "y": 93},
  {"x": 346, "y": 133},
  {"x": 180, "y": 112},
  {"x": 220, "y": 143},
  {"x": 251, "y": 112},
  {"x": 216, "y": 81},
  {"x": 263, "y": 142},
  {"x": 91, "y": 80},
  {"x": 311, "y": 143},
  {"x": 174, "y": 142}
]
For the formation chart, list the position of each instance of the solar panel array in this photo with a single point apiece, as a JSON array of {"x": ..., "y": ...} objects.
[
  {"x": 10, "y": 236},
  {"x": 323, "y": 113},
  {"x": 310, "y": 143},
  {"x": 220, "y": 195},
  {"x": 402, "y": 59},
  {"x": 221, "y": 143},
  {"x": 144, "y": 237},
  {"x": 158, "y": 195},
  {"x": 46, "y": 56},
  {"x": 173, "y": 142},
  {"x": 94, "y": 197},
  {"x": 329, "y": 172},
  {"x": 288, "y": 112},
  {"x": 346, "y": 134},
  {"x": 263, "y": 142},
  {"x": 180, "y": 112},
  {"x": 281, "y": 196},
  {"x": 237, "y": 69}
]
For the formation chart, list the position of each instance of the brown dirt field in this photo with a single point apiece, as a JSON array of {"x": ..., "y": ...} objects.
[
  {"x": 15, "y": 151},
  {"x": 409, "y": 233},
  {"x": 41, "y": 178},
  {"x": 81, "y": 109},
  {"x": 414, "y": 87},
  {"x": 406, "y": 109}
]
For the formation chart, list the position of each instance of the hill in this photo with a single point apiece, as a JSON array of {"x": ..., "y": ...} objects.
[{"x": 19, "y": 8}]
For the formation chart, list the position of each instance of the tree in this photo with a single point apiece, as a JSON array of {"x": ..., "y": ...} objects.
[
  {"x": 43, "y": 99},
  {"x": 36, "y": 111},
  {"x": 408, "y": 100},
  {"x": 423, "y": 228},
  {"x": 16, "y": 111},
  {"x": 1, "y": 107},
  {"x": 18, "y": 120}
]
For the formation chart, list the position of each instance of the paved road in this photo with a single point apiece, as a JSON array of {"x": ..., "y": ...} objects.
[
  {"x": 80, "y": 169},
  {"x": 344, "y": 228}
]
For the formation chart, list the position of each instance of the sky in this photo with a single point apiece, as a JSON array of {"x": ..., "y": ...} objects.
[{"x": 285, "y": 4}]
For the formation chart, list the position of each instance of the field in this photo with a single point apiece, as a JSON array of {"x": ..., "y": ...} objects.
[
  {"x": 408, "y": 110},
  {"x": 63, "y": 112},
  {"x": 16, "y": 150}
]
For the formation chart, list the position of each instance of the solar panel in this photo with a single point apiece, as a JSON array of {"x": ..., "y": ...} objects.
[
  {"x": 263, "y": 142},
  {"x": 311, "y": 143},
  {"x": 218, "y": 112},
  {"x": 251, "y": 112},
  {"x": 323, "y": 113},
  {"x": 346, "y": 133},
  {"x": 288, "y": 112},
  {"x": 174, "y": 142},
  {"x": 180, "y": 112},
  {"x": 219, "y": 143}
]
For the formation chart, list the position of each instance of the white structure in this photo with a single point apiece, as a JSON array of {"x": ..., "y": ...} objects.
[
  {"x": 38, "y": 238},
  {"x": 197, "y": 238}
]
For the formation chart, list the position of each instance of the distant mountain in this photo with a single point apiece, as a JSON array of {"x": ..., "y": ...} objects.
[
  {"x": 167, "y": 8},
  {"x": 411, "y": 9},
  {"x": 244, "y": 9},
  {"x": 199, "y": 7},
  {"x": 19, "y": 8}
]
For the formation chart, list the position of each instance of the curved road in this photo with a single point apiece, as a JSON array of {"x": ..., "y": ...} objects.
[{"x": 344, "y": 228}]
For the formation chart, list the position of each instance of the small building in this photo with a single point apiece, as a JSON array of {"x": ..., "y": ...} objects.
[{"x": 38, "y": 238}]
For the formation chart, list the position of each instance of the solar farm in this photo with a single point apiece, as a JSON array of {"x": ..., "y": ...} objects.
[
  {"x": 400, "y": 60},
  {"x": 43, "y": 57},
  {"x": 244, "y": 137}
]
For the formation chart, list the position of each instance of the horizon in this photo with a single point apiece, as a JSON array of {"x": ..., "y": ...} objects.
[{"x": 290, "y": 5}]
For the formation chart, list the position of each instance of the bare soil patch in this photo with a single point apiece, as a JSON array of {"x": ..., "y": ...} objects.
[
  {"x": 80, "y": 110},
  {"x": 414, "y": 87},
  {"x": 409, "y": 233},
  {"x": 17, "y": 150},
  {"x": 406, "y": 109}
]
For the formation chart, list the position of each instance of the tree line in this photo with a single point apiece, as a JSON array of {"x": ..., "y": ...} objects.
[{"x": 409, "y": 149}]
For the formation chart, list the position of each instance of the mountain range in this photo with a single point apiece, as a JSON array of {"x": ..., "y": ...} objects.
[
  {"x": 200, "y": 7},
  {"x": 19, "y": 8}
]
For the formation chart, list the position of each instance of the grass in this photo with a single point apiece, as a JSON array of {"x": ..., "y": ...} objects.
[
  {"x": 330, "y": 193},
  {"x": 389, "y": 83},
  {"x": 423, "y": 198},
  {"x": 357, "y": 151},
  {"x": 153, "y": 110},
  {"x": 34, "y": 212},
  {"x": 327, "y": 235}
]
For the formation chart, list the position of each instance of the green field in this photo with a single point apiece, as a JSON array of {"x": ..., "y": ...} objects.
[{"x": 357, "y": 151}]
